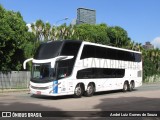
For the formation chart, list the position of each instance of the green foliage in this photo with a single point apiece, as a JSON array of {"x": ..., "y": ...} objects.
[
  {"x": 13, "y": 39},
  {"x": 151, "y": 63},
  {"x": 47, "y": 31},
  {"x": 92, "y": 33},
  {"x": 118, "y": 37}
]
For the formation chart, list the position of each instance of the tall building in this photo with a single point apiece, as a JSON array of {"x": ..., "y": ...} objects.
[
  {"x": 148, "y": 45},
  {"x": 74, "y": 22},
  {"x": 86, "y": 16}
]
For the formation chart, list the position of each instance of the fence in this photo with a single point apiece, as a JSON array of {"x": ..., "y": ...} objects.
[
  {"x": 154, "y": 78},
  {"x": 14, "y": 79}
]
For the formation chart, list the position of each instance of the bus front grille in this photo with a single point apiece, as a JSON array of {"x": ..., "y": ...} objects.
[{"x": 39, "y": 88}]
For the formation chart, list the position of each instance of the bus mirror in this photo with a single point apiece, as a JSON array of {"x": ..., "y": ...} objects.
[
  {"x": 60, "y": 58},
  {"x": 24, "y": 63},
  {"x": 64, "y": 58},
  {"x": 68, "y": 57}
]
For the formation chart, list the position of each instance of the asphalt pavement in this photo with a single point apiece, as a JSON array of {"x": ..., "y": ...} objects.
[{"x": 144, "y": 98}]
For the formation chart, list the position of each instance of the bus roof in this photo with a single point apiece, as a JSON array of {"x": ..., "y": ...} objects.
[{"x": 45, "y": 50}]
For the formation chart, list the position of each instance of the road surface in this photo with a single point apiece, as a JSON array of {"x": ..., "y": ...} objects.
[{"x": 144, "y": 98}]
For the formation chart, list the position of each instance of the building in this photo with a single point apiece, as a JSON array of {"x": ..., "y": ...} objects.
[
  {"x": 148, "y": 46},
  {"x": 86, "y": 16},
  {"x": 74, "y": 22}
]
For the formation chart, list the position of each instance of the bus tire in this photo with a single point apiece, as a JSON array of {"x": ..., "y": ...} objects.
[
  {"x": 125, "y": 86},
  {"x": 78, "y": 91},
  {"x": 132, "y": 85},
  {"x": 90, "y": 90}
]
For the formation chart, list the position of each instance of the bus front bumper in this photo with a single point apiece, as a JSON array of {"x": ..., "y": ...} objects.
[{"x": 48, "y": 92}]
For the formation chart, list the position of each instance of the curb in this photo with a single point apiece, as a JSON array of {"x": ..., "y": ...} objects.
[
  {"x": 151, "y": 83},
  {"x": 13, "y": 90}
]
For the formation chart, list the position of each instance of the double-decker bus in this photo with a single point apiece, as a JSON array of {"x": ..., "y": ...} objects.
[{"x": 72, "y": 67}]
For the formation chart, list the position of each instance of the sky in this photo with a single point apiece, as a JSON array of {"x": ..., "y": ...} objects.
[{"x": 140, "y": 18}]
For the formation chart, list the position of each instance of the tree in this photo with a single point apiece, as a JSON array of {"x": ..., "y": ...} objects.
[
  {"x": 47, "y": 31},
  {"x": 91, "y": 33},
  {"x": 40, "y": 29},
  {"x": 151, "y": 64},
  {"x": 13, "y": 39},
  {"x": 118, "y": 37}
]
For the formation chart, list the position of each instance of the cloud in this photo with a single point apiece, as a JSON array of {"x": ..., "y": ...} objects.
[
  {"x": 156, "y": 42},
  {"x": 29, "y": 27}
]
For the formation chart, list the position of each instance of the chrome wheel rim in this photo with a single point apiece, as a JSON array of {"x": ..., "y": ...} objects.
[
  {"x": 90, "y": 89},
  {"x": 125, "y": 87},
  {"x": 78, "y": 91}
]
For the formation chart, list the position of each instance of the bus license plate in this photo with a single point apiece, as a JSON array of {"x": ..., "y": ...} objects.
[{"x": 38, "y": 92}]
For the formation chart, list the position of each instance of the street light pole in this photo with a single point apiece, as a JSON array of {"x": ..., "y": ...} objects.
[{"x": 66, "y": 18}]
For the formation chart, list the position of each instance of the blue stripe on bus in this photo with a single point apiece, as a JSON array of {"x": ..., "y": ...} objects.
[{"x": 55, "y": 88}]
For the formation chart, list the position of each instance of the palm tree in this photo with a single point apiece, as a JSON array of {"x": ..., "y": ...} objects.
[
  {"x": 157, "y": 58},
  {"x": 33, "y": 28},
  {"x": 47, "y": 31},
  {"x": 130, "y": 45},
  {"x": 40, "y": 29},
  {"x": 54, "y": 33},
  {"x": 152, "y": 55},
  {"x": 138, "y": 47},
  {"x": 69, "y": 32}
]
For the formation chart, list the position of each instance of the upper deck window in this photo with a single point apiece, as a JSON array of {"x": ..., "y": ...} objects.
[
  {"x": 56, "y": 48},
  {"x": 48, "y": 50},
  {"x": 91, "y": 51}
]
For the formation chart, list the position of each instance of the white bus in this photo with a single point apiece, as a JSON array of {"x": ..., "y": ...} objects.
[{"x": 72, "y": 67}]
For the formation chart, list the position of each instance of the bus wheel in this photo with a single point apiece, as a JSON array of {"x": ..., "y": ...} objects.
[
  {"x": 131, "y": 87},
  {"x": 90, "y": 90},
  {"x": 78, "y": 91},
  {"x": 125, "y": 87}
]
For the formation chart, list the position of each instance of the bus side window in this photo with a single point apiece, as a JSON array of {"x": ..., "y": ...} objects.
[{"x": 88, "y": 52}]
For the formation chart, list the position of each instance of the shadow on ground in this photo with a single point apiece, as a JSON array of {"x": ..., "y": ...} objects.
[
  {"x": 134, "y": 105},
  {"x": 105, "y": 105},
  {"x": 52, "y": 97},
  {"x": 72, "y": 97},
  {"x": 129, "y": 104}
]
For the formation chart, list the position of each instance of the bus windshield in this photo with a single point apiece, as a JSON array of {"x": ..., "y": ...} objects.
[{"x": 43, "y": 72}]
